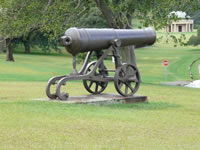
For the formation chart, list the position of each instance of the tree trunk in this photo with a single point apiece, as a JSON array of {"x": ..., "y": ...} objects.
[
  {"x": 107, "y": 13},
  {"x": 128, "y": 53},
  {"x": 1, "y": 45},
  {"x": 9, "y": 52},
  {"x": 27, "y": 47}
]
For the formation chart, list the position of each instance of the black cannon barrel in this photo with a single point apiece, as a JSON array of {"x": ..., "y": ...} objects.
[{"x": 84, "y": 39}]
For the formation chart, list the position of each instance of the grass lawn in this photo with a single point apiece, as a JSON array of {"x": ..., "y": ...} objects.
[{"x": 171, "y": 119}]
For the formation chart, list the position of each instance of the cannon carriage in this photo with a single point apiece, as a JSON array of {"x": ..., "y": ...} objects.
[{"x": 95, "y": 75}]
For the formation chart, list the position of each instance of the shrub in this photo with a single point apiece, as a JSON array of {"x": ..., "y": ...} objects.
[{"x": 194, "y": 40}]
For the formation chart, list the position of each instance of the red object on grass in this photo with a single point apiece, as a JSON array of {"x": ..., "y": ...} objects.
[{"x": 165, "y": 63}]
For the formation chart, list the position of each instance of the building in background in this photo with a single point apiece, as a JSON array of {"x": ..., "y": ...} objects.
[{"x": 184, "y": 24}]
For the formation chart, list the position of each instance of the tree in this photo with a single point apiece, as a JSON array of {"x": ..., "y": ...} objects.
[
  {"x": 17, "y": 19},
  {"x": 61, "y": 15},
  {"x": 9, "y": 51},
  {"x": 119, "y": 14},
  {"x": 49, "y": 18}
]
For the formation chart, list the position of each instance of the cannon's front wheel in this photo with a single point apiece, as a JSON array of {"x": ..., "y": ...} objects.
[
  {"x": 127, "y": 80},
  {"x": 92, "y": 86}
]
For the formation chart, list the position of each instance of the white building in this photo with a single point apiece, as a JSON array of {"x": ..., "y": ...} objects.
[{"x": 184, "y": 24}]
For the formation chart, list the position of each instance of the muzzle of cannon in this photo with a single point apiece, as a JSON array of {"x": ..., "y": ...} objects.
[
  {"x": 83, "y": 40},
  {"x": 95, "y": 75}
]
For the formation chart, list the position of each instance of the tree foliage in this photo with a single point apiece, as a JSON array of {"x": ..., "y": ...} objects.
[
  {"x": 92, "y": 19},
  {"x": 36, "y": 19},
  {"x": 119, "y": 14},
  {"x": 196, "y": 16},
  {"x": 19, "y": 17}
]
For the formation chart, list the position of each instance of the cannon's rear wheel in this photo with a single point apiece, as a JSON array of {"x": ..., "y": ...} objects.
[
  {"x": 127, "y": 80},
  {"x": 92, "y": 86}
]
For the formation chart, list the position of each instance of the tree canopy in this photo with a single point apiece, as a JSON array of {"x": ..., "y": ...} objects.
[
  {"x": 119, "y": 13},
  {"x": 49, "y": 18}
]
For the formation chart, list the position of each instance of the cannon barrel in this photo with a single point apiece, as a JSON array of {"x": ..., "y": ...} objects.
[{"x": 84, "y": 39}]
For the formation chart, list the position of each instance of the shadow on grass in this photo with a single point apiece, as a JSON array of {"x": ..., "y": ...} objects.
[{"x": 145, "y": 106}]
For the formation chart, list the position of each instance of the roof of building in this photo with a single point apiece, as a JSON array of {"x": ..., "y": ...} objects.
[{"x": 180, "y": 14}]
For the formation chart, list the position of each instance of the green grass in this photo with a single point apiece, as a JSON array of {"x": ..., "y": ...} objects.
[{"x": 170, "y": 120}]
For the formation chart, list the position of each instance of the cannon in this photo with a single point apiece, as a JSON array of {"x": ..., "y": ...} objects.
[{"x": 105, "y": 43}]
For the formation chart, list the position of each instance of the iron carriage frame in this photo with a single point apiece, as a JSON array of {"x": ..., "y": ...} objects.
[{"x": 126, "y": 78}]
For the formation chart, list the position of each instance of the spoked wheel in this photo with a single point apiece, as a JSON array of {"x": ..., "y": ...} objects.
[
  {"x": 127, "y": 80},
  {"x": 51, "y": 87},
  {"x": 95, "y": 87}
]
